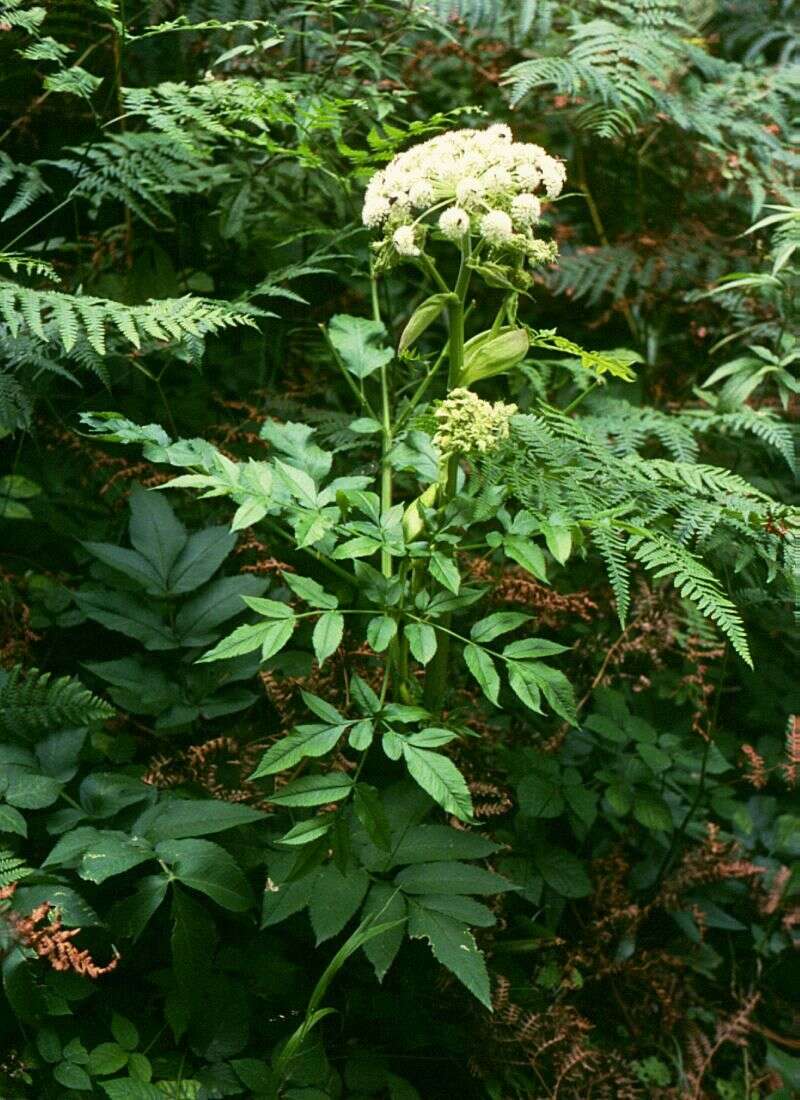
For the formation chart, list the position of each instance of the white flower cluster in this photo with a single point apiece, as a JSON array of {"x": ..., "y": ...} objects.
[
  {"x": 478, "y": 181},
  {"x": 468, "y": 424}
]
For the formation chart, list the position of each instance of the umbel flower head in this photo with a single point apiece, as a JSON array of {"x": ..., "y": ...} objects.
[
  {"x": 468, "y": 424},
  {"x": 478, "y": 182}
]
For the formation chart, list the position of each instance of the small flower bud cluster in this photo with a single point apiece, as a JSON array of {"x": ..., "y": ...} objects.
[
  {"x": 468, "y": 424},
  {"x": 479, "y": 182}
]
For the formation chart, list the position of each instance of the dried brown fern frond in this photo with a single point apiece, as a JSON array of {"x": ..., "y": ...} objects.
[
  {"x": 219, "y": 767},
  {"x": 712, "y": 861},
  {"x": 702, "y": 1049},
  {"x": 50, "y": 940}
]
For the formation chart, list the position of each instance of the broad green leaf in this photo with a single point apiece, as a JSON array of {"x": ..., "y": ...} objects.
[
  {"x": 370, "y": 812},
  {"x": 355, "y": 339},
  {"x": 201, "y": 557},
  {"x": 205, "y": 866},
  {"x": 156, "y": 532},
  {"x": 124, "y": 1032},
  {"x": 533, "y": 647},
  {"x": 450, "y": 877},
  {"x": 385, "y": 904},
  {"x": 48, "y": 1044},
  {"x": 431, "y": 843},
  {"x": 327, "y": 635},
  {"x": 179, "y": 818},
  {"x": 363, "y": 695},
  {"x": 72, "y": 1076},
  {"x": 310, "y": 740},
  {"x": 311, "y": 527},
  {"x": 197, "y": 621},
  {"x": 18, "y": 487},
  {"x": 392, "y": 744},
  {"x": 652, "y": 811},
  {"x": 557, "y": 690},
  {"x": 539, "y": 796},
  {"x": 421, "y": 641},
  {"x": 313, "y": 790},
  {"x": 125, "y": 1088},
  {"x": 299, "y": 483},
  {"x": 559, "y": 541},
  {"x": 130, "y": 916},
  {"x": 305, "y": 832},
  {"x": 431, "y": 738},
  {"x": 112, "y": 853},
  {"x": 335, "y": 899},
  {"x": 129, "y": 615},
  {"x": 501, "y": 622},
  {"x": 245, "y": 639},
  {"x": 270, "y": 609},
  {"x": 381, "y": 631},
  {"x": 284, "y": 899},
  {"x": 248, "y": 513},
  {"x": 445, "y": 571},
  {"x": 454, "y": 946},
  {"x": 362, "y": 546},
  {"x": 129, "y": 562},
  {"x": 562, "y": 871},
  {"x": 527, "y": 554},
  {"x": 458, "y": 906},
  {"x": 361, "y": 734},
  {"x": 440, "y": 778},
  {"x": 482, "y": 668},
  {"x": 404, "y": 713},
  {"x": 582, "y": 802},
  {"x": 275, "y": 638},
  {"x": 310, "y": 591},
  {"x": 12, "y": 821},
  {"x": 107, "y": 1058},
  {"x": 524, "y": 687},
  {"x": 322, "y": 709}
]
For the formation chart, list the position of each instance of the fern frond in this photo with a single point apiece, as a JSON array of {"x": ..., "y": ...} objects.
[
  {"x": 611, "y": 544},
  {"x": 30, "y": 185},
  {"x": 695, "y": 583},
  {"x": 139, "y": 171},
  {"x": 30, "y": 265},
  {"x": 33, "y": 703},
  {"x": 167, "y": 319},
  {"x": 12, "y": 868}
]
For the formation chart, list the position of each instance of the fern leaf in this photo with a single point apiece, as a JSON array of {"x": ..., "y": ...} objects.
[
  {"x": 695, "y": 583},
  {"x": 33, "y": 703},
  {"x": 12, "y": 868}
]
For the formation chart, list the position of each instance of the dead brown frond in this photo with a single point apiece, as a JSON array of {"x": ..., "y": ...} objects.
[
  {"x": 219, "y": 767},
  {"x": 41, "y": 931}
]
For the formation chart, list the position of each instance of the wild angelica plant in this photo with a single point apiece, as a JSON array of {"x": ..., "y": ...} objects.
[{"x": 523, "y": 488}]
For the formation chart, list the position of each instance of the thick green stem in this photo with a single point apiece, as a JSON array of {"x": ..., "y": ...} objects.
[
  {"x": 437, "y": 674},
  {"x": 386, "y": 435}
]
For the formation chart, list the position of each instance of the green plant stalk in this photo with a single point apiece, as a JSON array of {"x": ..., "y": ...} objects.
[
  {"x": 386, "y": 431},
  {"x": 437, "y": 675}
]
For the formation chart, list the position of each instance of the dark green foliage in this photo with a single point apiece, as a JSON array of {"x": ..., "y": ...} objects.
[{"x": 387, "y": 777}]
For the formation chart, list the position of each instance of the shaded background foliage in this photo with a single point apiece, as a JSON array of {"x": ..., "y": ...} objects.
[{"x": 180, "y": 212}]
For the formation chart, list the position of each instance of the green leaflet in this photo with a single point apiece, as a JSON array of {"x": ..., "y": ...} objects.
[
  {"x": 327, "y": 635},
  {"x": 310, "y": 740},
  {"x": 313, "y": 790},
  {"x": 421, "y": 641},
  {"x": 483, "y": 669},
  {"x": 440, "y": 778},
  {"x": 355, "y": 341},
  {"x": 454, "y": 946}
]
